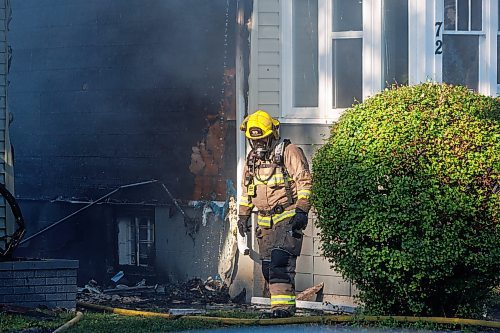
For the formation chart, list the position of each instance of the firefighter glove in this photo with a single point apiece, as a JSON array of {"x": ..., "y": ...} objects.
[
  {"x": 244, "y": 224},
  {"x": 299, "y": 220}
]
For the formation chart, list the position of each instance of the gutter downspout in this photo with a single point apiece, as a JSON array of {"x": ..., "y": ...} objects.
[
  {"x": 240, "y": 94},
  {"x": 244, "y": 278}
]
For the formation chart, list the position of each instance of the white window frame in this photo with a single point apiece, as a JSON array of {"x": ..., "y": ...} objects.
[
  {"x": 289, "y": 113},
  {"x": 129, "y": 239},
  {"x": 423, "y": 64},
  {"x": 487, "y": 75},
  {"x": 487, "y": 81},
  {"x": 494, "y": 25},
  {"x": 371, "y": 62}
]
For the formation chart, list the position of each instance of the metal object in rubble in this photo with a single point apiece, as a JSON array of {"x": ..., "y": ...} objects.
[{"x": 12, "y": 241}]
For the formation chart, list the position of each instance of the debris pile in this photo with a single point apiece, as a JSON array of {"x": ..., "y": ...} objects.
[{"x": 165, "y": 296}]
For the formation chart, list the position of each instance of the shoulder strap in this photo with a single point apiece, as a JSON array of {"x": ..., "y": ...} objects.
[
  {"x": 280, "y": 161},
  {"x": 279, "y": 151}
]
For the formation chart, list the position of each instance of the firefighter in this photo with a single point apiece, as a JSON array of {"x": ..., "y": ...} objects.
[{"x": 277, "y": 182}]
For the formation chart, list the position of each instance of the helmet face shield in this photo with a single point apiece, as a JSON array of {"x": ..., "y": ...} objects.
[
  {"x": 261, "y": 147},
  {"x": 255, "y": 132}
]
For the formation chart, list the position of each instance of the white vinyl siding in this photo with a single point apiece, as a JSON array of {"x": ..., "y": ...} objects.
[{"x": 265, "y": 74}]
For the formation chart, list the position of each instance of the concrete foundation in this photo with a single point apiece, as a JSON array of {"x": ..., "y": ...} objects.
[{"x": 33, "y": 283}]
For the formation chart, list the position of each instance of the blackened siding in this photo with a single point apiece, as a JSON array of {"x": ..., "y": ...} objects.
[
  {"x": 106, "y": 93},
  {"x": 4, "y": 140}
]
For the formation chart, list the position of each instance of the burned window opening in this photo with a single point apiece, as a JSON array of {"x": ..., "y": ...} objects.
[{"x": 136, "y": 239}]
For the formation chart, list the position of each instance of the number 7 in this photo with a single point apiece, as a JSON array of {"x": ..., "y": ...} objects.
[{"x": 438, "y": 25}]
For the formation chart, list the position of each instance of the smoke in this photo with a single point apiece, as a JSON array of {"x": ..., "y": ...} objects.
[{"x": 120, "y": 91}]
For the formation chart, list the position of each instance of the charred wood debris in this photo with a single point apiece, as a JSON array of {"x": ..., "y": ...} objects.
[
  {"x": 195, "y": 296},
  {"x": 194, "y": 293}
]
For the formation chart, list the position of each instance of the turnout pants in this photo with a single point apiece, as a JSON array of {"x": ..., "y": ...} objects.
[{"x": 279, "y": 248}]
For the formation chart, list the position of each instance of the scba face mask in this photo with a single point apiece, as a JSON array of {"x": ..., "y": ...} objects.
[{"x": 261, "y": 147}]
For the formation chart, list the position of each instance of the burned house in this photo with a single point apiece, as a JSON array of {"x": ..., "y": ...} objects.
[
  {"x": 126, "y": 113},
  {"x": 118, "y": 108}
]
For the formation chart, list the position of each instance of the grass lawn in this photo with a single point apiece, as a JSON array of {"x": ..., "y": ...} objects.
[
  {"x": 110, "y": 323},
  {"x": 101, "y": 322}
]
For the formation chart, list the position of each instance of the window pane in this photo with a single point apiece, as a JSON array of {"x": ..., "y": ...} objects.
[
  {"x": 498, "y": 59},
  {"x": 347, "y": 72},
  {"x": 460, "y": 60},
  {"x": 450, "y": 14},
  {"x": 476, "y": 15},
  {"x": 133, "y": 244},
  {"x": 146, "y": 254},
  {"x": 305, "y": 53},
  {"x": 395, "y": 42},
  {"x": 463, "y": 15},
  {"x": 144, "y": 233},
  {"x": 347, "y": 15}
]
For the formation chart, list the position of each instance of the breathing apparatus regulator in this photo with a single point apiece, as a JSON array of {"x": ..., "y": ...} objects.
[{"x": 262, "y": 132}]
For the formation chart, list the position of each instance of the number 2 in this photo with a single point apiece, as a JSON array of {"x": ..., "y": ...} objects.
[{"x": 439, "y": 47}]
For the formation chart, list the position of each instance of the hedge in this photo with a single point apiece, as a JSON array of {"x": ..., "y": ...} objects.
[{"x": 407, "y": 194}]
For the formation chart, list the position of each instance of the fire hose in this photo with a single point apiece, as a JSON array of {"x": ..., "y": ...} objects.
[
  {"x": 70, "y": 323},
  {"x": 325, "y": 319},
  {"x": 13, "y": 240}
]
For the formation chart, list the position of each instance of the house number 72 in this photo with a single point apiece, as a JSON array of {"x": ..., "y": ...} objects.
[{"x": 439, "y": 42}]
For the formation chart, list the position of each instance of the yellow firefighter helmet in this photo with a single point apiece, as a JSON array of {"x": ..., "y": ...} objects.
[{"x": 260, "y": 125}]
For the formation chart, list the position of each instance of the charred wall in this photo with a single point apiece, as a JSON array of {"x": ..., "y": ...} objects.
[
  {"x": 89, "y": 237},
  {"x": 105, "y": 93}
]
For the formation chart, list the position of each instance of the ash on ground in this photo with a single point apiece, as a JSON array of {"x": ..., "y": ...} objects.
[{"x": 196, "y": 293}]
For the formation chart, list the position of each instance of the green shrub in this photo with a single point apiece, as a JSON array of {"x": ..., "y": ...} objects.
[{"x": 407, "y": 194}]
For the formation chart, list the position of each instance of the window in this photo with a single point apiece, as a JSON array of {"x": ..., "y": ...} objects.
[
  {"x": 322, "y": 62},
  {"x": 335, "y": 52},
  {"x": 347, "y": 50},
  {"x": 395, "y": 42},
  {"x": 462, "y": 28},
  {"x": 461, "y": 60},
  {"x": 136, "y": 240},
  {"x": 305, "y": 53}
]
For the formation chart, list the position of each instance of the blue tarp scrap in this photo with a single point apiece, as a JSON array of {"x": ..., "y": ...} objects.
[{"x": 219, "y": 208}]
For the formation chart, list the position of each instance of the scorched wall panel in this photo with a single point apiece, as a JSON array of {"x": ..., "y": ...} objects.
[{"x": 107, "y": 93}]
